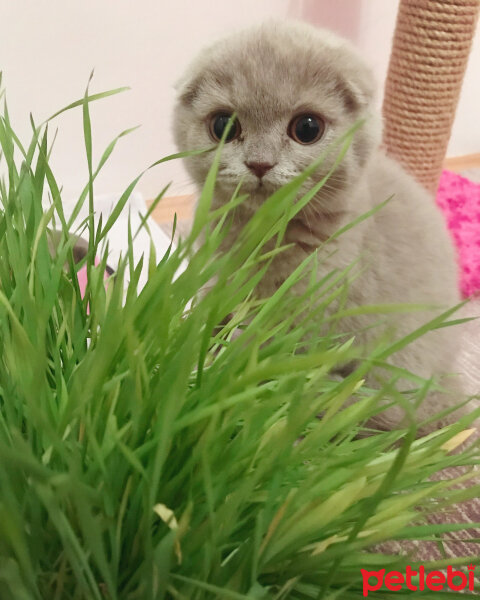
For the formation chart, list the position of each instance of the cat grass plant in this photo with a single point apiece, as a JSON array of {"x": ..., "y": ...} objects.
[{"x": 152, "y": 448}]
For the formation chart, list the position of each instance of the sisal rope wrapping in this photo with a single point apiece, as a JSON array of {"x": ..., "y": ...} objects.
[{"x": 430, "y": 51}]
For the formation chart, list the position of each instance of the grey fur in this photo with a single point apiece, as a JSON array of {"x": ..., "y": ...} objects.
[{"x": 266, "y": 75}]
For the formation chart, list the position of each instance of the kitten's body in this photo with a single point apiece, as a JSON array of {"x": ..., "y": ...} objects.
[{"x": 273, "y": 72}]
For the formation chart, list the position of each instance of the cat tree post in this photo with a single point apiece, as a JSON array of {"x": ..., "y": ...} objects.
[{"x": 431, "y": 45}]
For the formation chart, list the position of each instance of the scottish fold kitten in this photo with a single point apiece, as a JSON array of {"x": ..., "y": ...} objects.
[{"x": 295, "y": 90}]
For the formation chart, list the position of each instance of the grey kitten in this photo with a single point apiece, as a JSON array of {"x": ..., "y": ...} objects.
[{"x": 295, "y": 90}]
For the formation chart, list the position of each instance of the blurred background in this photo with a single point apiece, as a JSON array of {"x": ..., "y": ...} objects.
[{"x": 48, "y": 49}]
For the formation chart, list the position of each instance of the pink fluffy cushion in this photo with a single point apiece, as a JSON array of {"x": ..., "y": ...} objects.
[
  {"x": 83, "y": 279},
  {"x": 459, "y": 199}
]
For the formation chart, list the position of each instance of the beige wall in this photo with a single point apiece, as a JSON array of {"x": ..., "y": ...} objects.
[{"x": 48, "y": 48}]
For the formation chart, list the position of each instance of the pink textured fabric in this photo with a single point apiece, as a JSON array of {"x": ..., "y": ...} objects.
[
  {"x": 83, "y": 279},
  {"x": 459, "y": 199}
]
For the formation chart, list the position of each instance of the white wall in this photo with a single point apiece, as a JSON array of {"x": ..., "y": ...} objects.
[
  {"x": 466, "y": 128},
  {"x": 47, "y": 50}
]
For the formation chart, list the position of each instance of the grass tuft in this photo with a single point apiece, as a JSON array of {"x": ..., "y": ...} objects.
[{"x": 147, "y": 452}]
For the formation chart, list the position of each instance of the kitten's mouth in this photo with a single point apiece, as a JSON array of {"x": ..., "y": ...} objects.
[
  {"x": 267, "y": 187},
  {"x": 260, "y": 187}
]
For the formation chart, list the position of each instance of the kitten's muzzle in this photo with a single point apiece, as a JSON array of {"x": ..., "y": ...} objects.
[{"x": 259, "y": 168}]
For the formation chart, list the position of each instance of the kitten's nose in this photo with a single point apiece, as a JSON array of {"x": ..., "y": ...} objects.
[{"x": 259, "y": 168}]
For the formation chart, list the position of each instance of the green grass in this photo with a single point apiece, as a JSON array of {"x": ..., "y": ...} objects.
[{"x": 148, "y": 453}]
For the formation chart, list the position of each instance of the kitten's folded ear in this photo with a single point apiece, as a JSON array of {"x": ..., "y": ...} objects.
[
  {"x": 355, "y": 84},
  {"x": 356, "y": 94},
  {"x": 187, "y": 88}
]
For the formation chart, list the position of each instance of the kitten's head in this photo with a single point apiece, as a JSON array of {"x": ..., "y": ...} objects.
[{"x": 294, "y": 89}]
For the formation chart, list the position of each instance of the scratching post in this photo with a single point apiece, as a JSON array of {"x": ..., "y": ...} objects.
[{"x": 431, "y": 45}]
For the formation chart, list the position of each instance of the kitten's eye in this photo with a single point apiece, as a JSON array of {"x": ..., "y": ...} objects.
[
  {"x": 306, "y": 129},
  {"x": 218, "y": 124}
]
